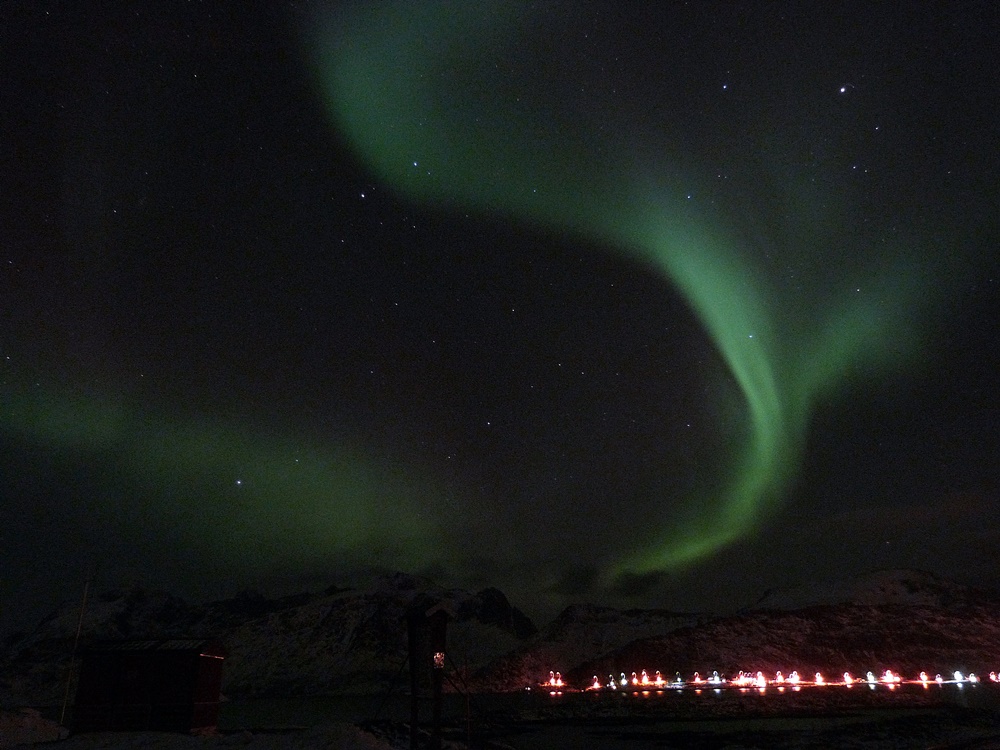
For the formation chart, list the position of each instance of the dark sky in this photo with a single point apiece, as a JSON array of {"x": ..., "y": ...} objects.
[{"x": 652, "y": 304}]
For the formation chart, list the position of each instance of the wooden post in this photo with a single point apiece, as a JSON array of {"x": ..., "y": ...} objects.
[
  {"x": 76, "y": 646},
  {"x": 414, "y": 626},
  {"x": 437, "y": 621},
  {"x": 427, "y": 624}
]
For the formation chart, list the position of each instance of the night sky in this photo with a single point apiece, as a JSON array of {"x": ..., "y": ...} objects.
[{"x": 651, "y": 304}]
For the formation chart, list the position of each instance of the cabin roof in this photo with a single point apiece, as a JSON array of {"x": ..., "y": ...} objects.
[{"x": 207, "y": 646}]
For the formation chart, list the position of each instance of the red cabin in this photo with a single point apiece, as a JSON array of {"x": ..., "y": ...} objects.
[{"x": 169, "y": 685}]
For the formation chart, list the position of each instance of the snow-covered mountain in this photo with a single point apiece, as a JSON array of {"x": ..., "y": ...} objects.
[
  {"x": 338, "y": 641},
  {"x": 904, "y": 587},
  {"x": 353, "y": 640},
  {"x": 579, "y": 634},
  {"x": 828, "y": 638},
  {"x": 903, "y": 620}
]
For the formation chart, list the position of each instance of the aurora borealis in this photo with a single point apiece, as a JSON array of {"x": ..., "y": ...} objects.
[
  {"x": 424, "y": 93},
  {"x": 583, "y": 301}
]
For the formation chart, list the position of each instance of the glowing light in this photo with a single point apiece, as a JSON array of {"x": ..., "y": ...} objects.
[
  {"x": 404, "y": 78},
  {"x": 889, "y": 678},
  {"x": 300, "y": 503},
  {"x": 641, "y": 681}
]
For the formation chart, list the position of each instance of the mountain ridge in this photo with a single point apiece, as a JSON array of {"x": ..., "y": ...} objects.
[{"x": 352, "y": 639}]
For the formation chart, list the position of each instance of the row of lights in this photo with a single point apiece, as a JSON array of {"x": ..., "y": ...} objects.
[{"x": 759, "y": 680}]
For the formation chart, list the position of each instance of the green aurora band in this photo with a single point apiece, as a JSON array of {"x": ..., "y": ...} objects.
[
  {"x": 226, "y": 487},
  {"x": 437, "y": 101}
]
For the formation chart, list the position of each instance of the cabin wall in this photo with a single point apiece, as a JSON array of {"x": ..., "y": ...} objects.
[{"x": 148, "y": 690}]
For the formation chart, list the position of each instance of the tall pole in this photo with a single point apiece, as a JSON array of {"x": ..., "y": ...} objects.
[
  {"x": 413, "y": 626},
  {"x": 76, "y": 644},
  {"x": 437, "y": 624}
]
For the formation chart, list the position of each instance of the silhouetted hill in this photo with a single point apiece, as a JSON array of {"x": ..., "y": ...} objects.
[
  {"x": 353, "y": 640},
  {"x": 339, "y": 641}
]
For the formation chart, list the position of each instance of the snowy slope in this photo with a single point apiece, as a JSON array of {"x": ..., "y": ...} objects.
[
  {"x": 904, "y": 587},
  {"x": 353, "y": 640},
  {"x": 579, "y": 634},
  {"x": 337, "y": 641}
]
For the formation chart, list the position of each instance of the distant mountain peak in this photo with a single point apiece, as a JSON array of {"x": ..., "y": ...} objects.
[{"x": 880, "y": 587}]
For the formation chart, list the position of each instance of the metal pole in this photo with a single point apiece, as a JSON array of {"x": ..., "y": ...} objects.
[{"x": 435, "y": 743}]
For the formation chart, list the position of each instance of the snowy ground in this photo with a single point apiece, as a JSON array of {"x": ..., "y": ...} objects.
[
  {"x": 862, "y": 720},
  {"x": 330, "y": 737},
  {"x": 938, "y": 730},
  {"x": 862, "y": 732},
  {"x": 900, "y": 732}
]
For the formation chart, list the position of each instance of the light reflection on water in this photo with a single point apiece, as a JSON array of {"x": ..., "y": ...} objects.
[
  {"x": 288, "y": 712},
  {"x": 283, "y": 712}
]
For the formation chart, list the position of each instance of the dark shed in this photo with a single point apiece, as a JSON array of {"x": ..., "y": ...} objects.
[{"x": 167, "y": 685}]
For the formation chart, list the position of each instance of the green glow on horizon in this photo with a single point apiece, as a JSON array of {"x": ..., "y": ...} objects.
[
  {"x": 417, "y": 90},
  {"x": 226, "y": 486}
]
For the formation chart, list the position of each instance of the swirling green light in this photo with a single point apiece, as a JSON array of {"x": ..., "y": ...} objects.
[{"x": 426, "y": 94}]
